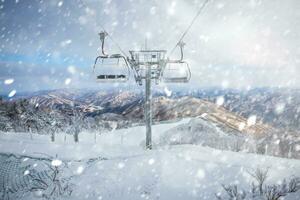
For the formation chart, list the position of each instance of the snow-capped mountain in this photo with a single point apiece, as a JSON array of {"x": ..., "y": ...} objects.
[
  {"x": 278, "y": 107},
  {"x": 129, "y": 106},
  {"x": 166, "y": 109},
  {"x": 62, "y": 110}
]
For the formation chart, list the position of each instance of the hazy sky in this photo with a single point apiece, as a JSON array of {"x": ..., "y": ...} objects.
[{"x": 45, "y": 44}]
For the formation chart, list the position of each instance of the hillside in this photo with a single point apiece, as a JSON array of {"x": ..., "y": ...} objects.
[
  {"x": 129, "y": 106},
  {"x": 117, "y": 166},
  {"x": 64, "y": 111}
]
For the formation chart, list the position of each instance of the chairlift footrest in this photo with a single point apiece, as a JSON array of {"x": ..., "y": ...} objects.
[
  {"x": 104, "y": 77},
  {"x": 176, "y": 80}
]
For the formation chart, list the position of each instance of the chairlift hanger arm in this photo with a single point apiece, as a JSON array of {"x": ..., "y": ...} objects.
[
  {"x": 102, "y": 35},
  {"x": 181, "y": 45},
  {"x": 117, "y": 57}
]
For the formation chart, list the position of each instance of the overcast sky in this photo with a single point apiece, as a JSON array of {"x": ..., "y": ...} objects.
[{"x": 47, "y": 44}]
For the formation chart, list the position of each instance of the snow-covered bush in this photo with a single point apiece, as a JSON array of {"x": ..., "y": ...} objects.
[
  {"x": 54, "y": 185},
  {"x": 259, "y": 189},
  {"x": 233, "y": 193}
]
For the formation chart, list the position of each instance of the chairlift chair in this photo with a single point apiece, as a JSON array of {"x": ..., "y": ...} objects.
[
  {"x": 177, "y": 71},
  {"x": 110, "y": 68}
]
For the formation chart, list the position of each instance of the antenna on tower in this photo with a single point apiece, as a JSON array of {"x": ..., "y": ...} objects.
[{"x": 146, "y": 41}]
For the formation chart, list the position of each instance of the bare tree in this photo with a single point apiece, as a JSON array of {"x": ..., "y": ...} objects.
[
  {"x": 274, "y": 192},
  {"x": 260, "y": 190},
  {"x": 233, "y": 193},
  {"x": 55, "y": 185},
  {"x": 260, "y": 175},
  {"x": 294, "y": 185},
  {"x": 76, "y": 122}
]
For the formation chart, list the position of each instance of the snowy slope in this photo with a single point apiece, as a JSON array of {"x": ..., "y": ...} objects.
[
  {"x": 181, "y": 172},
  {"x": 126, "y": 171}
]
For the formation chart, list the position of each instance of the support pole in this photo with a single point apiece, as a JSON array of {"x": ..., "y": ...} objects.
[{"x": 147, "y": 109}]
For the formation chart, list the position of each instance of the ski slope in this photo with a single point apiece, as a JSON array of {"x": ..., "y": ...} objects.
[{"x": 126, "y": 170}]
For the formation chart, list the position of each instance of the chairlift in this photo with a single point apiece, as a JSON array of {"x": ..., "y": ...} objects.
[
  {"x": 110, "y": 68},
  {"x": 146, "y": 65},
  {"x": 177, "y": 71}
]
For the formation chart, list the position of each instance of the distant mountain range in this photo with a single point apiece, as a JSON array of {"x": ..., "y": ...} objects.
[
  {"x": 278, "y": 108},
  {"x": 265, "y": 115}
]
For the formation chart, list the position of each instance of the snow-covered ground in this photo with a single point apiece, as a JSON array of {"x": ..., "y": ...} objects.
[
  {"x": 128, "y": 171},
  {"x": 111, "y": 144}
]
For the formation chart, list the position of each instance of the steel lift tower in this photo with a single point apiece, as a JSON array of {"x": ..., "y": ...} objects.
[{"x": 145, "y": 66}]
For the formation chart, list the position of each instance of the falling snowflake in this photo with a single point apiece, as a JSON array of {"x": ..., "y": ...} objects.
[
  {"x": 12, "y": 93},
  {"x": 220, "y": 5},
  {"x": 56, "y": 163},
  {"x": 68, "y": 81},
  {"x": 71, "y": 69},
  {"x": 200, "y": 174},
  {"x": 121, "y": 165},
  {"x": 242, "y": 126},
  {"x": 153, "y": 11},
  {"x": 225, "y": 84},
  {"x": 251, "y": 120},
  {"x": 65, "y": 43},
  {"x": 220, "y": 101},
  {"x": 9, "y": 81},
  {"x": 171, "y": 9},
  {"x": 168, "y": 92},
  {"x": 60, "y": 3},
  {"x": 80, "y": 169},
  {"x": 151, "y": 161},
  {"x": 279, "y": 109}
]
